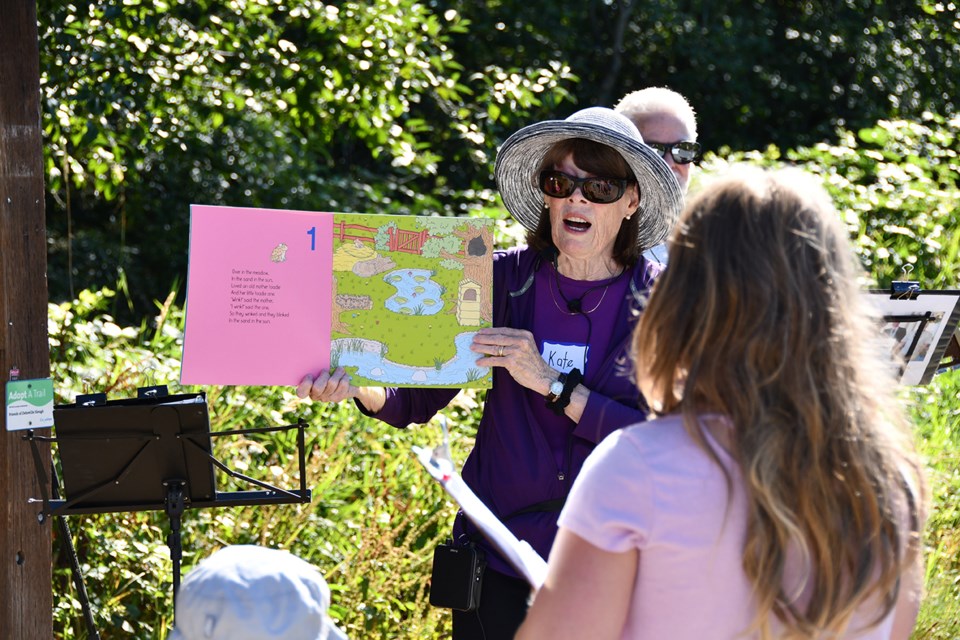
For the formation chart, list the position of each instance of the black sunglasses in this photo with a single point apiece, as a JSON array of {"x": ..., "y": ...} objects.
[
  {"x": 557, "y": 184},
  {"x": 683, "y": 152}
]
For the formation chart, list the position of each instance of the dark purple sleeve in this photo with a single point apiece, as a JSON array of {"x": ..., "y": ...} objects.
[
  {"x": 602, "y": 416},
  {"x": 405, "y": 406}
]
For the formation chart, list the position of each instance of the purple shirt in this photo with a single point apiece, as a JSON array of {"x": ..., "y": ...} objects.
[{"x": 524, "y": 454}]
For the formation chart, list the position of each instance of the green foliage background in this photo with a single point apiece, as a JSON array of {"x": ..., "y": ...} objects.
[{"x": 398, "y": 106}]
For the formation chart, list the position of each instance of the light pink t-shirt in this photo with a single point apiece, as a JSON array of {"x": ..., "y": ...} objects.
[{"x": 650, "y": 487}]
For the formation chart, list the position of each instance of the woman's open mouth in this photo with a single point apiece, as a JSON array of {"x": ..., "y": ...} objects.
[{"x": 576, "y": 224}]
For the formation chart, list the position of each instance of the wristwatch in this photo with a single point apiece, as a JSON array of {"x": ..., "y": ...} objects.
[
  {"x": 570, "y": 381},
  {"x": 556, "y": 388}
]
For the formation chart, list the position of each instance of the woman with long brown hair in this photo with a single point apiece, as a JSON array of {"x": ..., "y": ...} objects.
[{"x": 777, "y": 492}]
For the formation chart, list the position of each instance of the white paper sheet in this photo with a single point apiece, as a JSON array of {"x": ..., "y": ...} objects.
[{"x": 519, "y": 553}]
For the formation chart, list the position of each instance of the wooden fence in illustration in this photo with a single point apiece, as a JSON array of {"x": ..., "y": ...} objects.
[{"x": 400, "y": 240}]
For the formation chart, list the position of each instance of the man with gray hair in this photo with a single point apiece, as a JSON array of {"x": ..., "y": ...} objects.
[{"x": 667, "y": 123}]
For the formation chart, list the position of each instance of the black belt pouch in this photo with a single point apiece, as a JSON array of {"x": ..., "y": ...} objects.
[{"x": 457, "y": 576}]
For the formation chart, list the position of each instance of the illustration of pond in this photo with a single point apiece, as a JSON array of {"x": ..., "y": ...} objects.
[
  {"x": 366, "y": 356},
  {"x": 417, "y": 294}
]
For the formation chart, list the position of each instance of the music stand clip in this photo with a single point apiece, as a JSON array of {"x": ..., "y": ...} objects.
[{"x": 904, "y": 289}]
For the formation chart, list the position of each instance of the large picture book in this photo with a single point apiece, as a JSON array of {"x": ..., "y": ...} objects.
[{"x": 273, "y": 295}]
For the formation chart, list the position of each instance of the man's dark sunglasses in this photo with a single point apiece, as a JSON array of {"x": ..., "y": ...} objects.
[
  {"x": 683, "y": 152},
  {"x": 557, "y": 184}
]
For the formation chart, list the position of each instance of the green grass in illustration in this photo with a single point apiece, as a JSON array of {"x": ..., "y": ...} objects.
[
  {"x": 404, "y": 333},
  {"x": 335, "y": 356}
]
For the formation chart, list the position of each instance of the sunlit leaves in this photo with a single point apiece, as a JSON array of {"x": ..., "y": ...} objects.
[
  {"x": 150, "y": 106},
  {"x": 897, "y": 186},
  {"x": 157, "y": 73}
]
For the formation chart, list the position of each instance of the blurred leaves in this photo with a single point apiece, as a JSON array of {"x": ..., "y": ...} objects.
[
  {"x": 397, "y": 106},
  {"x": 359, "y": 106},
  {"x": 757, "y": 72},
  {"x": 897, "y": 186}
]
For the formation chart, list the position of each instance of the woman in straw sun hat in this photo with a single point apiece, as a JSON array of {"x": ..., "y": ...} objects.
[{"x": 592, "y": 197}]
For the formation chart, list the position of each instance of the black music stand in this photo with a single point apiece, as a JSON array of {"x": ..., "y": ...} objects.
[
  {"x": 923, "y": 325},
  {"x": 150, "y": 453}
]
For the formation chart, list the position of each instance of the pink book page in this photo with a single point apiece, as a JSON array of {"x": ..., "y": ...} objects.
[{"x": 258, "y": 296}]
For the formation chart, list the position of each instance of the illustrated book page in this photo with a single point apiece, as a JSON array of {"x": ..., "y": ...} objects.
[
  {"x": 274, "y": 295},
  {"x": 410, "y": 292}
]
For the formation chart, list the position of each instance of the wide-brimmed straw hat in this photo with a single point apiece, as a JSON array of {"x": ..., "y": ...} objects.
[{"x": 518, "y": 162}]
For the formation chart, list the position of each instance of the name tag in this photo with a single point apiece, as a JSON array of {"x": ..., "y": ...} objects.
[{"x": 565, "y": 357}]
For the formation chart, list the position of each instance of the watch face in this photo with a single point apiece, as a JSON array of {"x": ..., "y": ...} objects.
[{"x": 556, "y": 388}]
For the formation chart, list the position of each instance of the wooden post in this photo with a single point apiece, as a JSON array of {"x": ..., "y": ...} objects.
[{"x": 26, "y": 598}]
